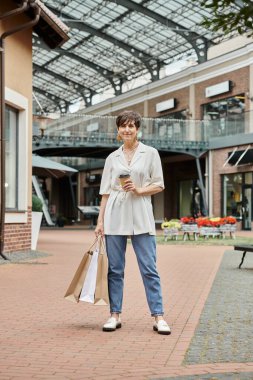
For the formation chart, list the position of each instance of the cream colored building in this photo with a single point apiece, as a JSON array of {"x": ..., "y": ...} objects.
[{"x": 17, "y": 75}]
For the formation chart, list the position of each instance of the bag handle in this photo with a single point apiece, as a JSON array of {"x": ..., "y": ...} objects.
[
  {"x": 99, "y": 243},
  {"x": 96, "y": 241},
  {"x": 102, "y": 245}
]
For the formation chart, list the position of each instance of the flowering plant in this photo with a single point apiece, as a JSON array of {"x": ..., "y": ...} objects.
[
  {"x": 188, "y": 220},
  {"x": 229, "y": 220},
  {"x": 173, "y": 223},
  {"x": 208, "y": 222},
  {"x": 215, "y": 222}
]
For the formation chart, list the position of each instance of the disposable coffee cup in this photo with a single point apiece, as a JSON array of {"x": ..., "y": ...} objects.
[{"x": 123, "y": 178}]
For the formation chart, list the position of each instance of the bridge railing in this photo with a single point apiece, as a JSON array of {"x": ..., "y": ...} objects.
[
  {"x": 85, "y": 126},
  {"x": 74, "y": 126}
]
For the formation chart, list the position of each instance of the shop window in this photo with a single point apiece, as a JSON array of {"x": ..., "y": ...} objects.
[
  {"x": 235, "y": 191},
  {"x": 225, "y": 116},
  {"x": 11, "y": 155},
  {"x": 248, "y": 178},
  {"x": 178, "y": 115},
  {"x": 91, "y": 196},
  {"x": 174, "y": 129},
  {"x": 93, "y": 178}
]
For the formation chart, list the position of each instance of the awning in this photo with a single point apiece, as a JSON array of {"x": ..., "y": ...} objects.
[
  {"x": 47, "y": 168},
  {"x": 49, "y": 27},
  {"x": 241, "y": 157}
]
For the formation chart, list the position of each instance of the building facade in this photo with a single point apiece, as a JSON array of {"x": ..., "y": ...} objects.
[
  {"x": 18, "y": 115},
  {"x": 218, "y": 93}
]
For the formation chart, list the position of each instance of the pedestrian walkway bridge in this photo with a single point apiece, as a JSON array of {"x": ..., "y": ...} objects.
[{"x": 94, "y": 136}]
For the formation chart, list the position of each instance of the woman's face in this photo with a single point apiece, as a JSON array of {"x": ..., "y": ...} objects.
[{"x": 128, "y": 131}]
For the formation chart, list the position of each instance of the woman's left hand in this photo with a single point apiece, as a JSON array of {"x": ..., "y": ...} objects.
[{"x": 130, "y": 186}]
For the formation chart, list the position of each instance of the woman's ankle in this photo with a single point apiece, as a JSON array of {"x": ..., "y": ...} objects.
[
  {"x": 115, "y": 315},
  {"x": 158, "y": 318}
]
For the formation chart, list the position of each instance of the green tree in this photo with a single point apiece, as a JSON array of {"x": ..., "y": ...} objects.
[{"x": 229, "y": 15}]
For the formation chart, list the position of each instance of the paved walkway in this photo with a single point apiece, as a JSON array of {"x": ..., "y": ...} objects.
[{"x": 43, "y": 336}]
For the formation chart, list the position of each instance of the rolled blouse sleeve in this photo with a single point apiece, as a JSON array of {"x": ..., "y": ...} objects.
[
  {"x": 105, "y": 186},
  {"x": 156, "y": 170}
]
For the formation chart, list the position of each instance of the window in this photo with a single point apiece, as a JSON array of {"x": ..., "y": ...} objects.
[
  {"x": 91, "y": 196},
  {"x": 17, "y": 157},
  {"x": 170, "y": 126},
  {"x": 235, "y": 189},
  {"x": 11, "y": 154},
  {"x": 177, "y": 115},
  {"x": 225, "y": 116}
]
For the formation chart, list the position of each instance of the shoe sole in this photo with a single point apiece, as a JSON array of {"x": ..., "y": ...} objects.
[
  {"x": 161, "y": 332},
  {"x": 108, "y": 329}
]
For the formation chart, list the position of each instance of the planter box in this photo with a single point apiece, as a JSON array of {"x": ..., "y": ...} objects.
[
  {"x": 210, "y": 231},
  {"x": 36, "y": 222},
  {"x": 171, "y": 232},
  {"x": 188, "y": 229},
  {"x": 228, "y": 229}
]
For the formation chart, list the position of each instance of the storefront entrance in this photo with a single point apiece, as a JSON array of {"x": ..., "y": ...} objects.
[
  {"x": 237, "y": 197},
  {"x": 190, "y": 199}
]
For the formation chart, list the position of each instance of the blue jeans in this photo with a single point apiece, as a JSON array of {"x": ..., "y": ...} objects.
[{"x": 145, "y": 249}]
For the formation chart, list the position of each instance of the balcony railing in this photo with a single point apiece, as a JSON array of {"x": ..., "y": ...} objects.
[{"x": 162, "y": 132}]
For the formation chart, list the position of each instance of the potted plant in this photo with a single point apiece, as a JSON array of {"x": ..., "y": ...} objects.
[
  {"x": 228, "y": 225},
  {"x": 37, "y": 213},
  {"x": 189, "y": 226},
  {"x": 170, "y": 228},
  {"x": 209, "y": 226},
  {"x": 61, "y": 221}
]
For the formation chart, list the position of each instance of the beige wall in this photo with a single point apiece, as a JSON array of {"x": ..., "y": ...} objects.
[
  {"x": 18, "y": 67},
  {"x": 228, "y": 46},
  {"x": 18, "y": 94}
]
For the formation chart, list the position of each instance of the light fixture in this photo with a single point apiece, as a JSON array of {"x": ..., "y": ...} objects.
[
  {"x": 188, "y": 112},
  {"x": 42, "y": 118}
]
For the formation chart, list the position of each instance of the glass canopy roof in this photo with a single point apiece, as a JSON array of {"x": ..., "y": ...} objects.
[{"x": 112, "y": 44}]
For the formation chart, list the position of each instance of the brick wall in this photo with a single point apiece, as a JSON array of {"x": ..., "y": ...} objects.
[
  {"x": 17, "y": 237},
  {"x": 182, "y": 97},
  {"x": 240, "y": 79},
  {"x": 182, "y": 102}
]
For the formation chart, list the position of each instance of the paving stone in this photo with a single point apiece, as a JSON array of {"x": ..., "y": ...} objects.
[
  {"x": 224, "y": 332},
  {"x": 20, "y": 257},
  {"x": 216, "y": 376},
  {"x": 46, "y": 337}
]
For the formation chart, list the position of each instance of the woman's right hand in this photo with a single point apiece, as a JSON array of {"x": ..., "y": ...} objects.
[{"x": 99, "y": 230}]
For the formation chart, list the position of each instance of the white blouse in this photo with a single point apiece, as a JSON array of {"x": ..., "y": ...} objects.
[{"x": 127, "y": 213}]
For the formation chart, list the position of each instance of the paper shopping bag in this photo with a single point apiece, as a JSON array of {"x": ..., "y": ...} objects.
[
  {"x": 74, "y": 290},
  {"x": 89, "y": 285},
  {"x": 101, "y": 291}
]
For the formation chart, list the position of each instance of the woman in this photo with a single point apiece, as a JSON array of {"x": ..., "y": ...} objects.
[{"x": 126, "y": 210}]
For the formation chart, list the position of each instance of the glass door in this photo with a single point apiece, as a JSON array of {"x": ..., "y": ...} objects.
[{"x": 246, "y": 207}]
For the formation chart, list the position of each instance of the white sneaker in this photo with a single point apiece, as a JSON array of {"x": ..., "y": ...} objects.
[
  {"x": 162, "y": 327},
  {"x": 112, "y": 324}
]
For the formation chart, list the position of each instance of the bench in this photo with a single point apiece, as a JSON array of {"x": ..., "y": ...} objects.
[{"x": 245, "y": 249}]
